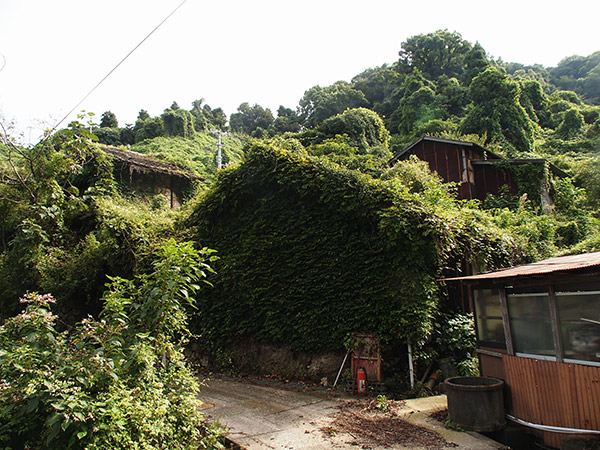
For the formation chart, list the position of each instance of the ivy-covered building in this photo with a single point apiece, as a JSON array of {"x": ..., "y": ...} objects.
[
  {"x": 146, "y": 175},
  {"x": 479, "y": 172}
]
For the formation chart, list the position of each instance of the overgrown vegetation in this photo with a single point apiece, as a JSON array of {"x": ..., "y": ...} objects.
[
  {"x": 118, "y": 382},
  {"x": 311, "y": 251},
  {"x": 65, "y": 227},
  {"x": 197, "y": 153},
  {"x": 318, "y": 237}
]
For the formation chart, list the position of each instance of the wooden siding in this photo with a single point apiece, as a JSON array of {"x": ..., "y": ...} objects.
[
  {"x": 453, "y": 162},
  {"x": 490, "y": 362},
  {"x": 489, "y": 179},
  {"x": 552, "y": 393},
  {"x": 446, "y": 159}
]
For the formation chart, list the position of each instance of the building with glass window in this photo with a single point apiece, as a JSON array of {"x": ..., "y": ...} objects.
[{"x": 538, "y": 329}]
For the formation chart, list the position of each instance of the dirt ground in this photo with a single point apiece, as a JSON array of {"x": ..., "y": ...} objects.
[
  {"x": 379, "y": 423},
  {"x": 263, "y": 416}
]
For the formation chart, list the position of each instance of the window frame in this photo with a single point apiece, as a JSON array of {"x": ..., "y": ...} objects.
[{"x": 550, "y": 291}]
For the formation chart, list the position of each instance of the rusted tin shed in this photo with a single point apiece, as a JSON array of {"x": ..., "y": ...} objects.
[
  {"x": 538, "y": 329},
  {"x": 452, "y": 160},
  {"x": 476, "y": 170},
  {"x": 144, "y": 174}
]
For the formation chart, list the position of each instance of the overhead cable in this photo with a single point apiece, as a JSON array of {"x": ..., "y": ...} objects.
[{"x": 115, "y": 68}]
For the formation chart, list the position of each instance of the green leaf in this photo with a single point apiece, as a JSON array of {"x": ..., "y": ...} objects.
[
  {"x": 54, "y": 430},
  {"x": 65, "y": 424},
  {"x": 32, "y": 405}
]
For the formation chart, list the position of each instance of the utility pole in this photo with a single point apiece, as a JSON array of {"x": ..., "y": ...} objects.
[{"x": 219, "y": 147}]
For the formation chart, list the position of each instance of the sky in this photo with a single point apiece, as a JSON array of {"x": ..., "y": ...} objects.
[{"x": 268, "y": 52}]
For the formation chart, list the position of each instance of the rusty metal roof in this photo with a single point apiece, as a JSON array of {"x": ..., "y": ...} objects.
[
  {"x": 547, "y": 266},
  {"x": 139, "y": 160}
]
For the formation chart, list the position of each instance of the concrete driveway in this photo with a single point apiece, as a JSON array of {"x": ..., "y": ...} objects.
[{"x": 265, "y": 417}]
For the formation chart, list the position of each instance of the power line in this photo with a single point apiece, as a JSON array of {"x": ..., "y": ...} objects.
[{"x": 116, "y": 67}]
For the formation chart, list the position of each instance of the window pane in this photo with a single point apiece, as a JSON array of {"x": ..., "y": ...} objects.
[
  {"x": 530, "y": 324},
  {"x": 579, "y": 316},
  {"x": 489, "y": 316}
]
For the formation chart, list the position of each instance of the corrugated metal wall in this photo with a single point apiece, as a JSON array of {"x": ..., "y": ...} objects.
[{"x": 552, "y": 393}]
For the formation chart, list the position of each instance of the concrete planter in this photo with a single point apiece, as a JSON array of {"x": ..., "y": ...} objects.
[{"x": 476, "y": 403}]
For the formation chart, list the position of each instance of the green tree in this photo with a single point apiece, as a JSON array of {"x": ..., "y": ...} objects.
[
  {"x": 535, "y": 102},
  {"x": 200, "y": 121},
  {"x": 108, "y": 136},
  {"x": 178, "y": 122},
  {"x": 143, "y": 115},
  {"x": 378, "y": 84},
  {"x": 580, "y": 74},
  {"x": 496, "y": 111},
  {"x": 287, "y": 121},
  {"x": 40, "y": 197},
  {"x": 364, "y": 129},
  {"x": 127, "y": 135},
  {"x": 475, "y": 62},
  {"x": 571, "y": 125},
  {"x": 451, "y": 96},
  {"x": 383, "y": 88},
  {"x": 435, "y": 54},
  {"x": 218, "y": 118},
  {"x": 417, "y": 106},
  {"x": 206, "y": 118},
  {"x": 109, "y": 120},
  {"x": 251, "y": 119},
  {"x": 148, "y": 128},
  {"x": 319, "y": 103}
]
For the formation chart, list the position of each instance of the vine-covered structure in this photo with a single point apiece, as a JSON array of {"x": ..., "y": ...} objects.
[
  {"x": 311, "y": 252},
  {"x": 142, "y": 174},
  {"x": 479, "y": 172}
]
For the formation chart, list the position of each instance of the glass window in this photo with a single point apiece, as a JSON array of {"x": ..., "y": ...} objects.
[
  {"x": 579, "y": 317},
  {"x": 489, "y": 316},
  {"x": 530, "y": 324}
]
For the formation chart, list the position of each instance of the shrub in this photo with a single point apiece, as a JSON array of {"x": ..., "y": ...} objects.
[{"x": 120, "y": 382}]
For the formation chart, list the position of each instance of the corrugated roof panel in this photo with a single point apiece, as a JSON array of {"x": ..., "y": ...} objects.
[{"x": 558, "y": 264}]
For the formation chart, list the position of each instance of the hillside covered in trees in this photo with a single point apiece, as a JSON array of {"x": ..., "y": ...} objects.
[
  {"x": 67, "y": 224},
  {"x": 317, "y": 235},
  {"x": 440, "y": 85}
]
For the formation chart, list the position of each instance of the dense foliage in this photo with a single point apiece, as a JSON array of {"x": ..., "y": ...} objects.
[
  {"x": 580, "y": 74},
  {"x": 174, "y": 121},
  {"x": 64, "y": 225},
  {"x": 197, "y": 153},
  {"x": 311, "y": 251},
  {"x": 318, "y": 236},
  {"x": 120, "y": 382}
]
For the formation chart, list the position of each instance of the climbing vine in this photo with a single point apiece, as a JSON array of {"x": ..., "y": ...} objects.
[
  {"x": 530, "y": 178},
  {"x": 310, "y": 251}
]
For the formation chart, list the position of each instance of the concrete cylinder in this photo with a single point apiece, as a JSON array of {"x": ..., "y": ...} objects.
[{"x": 476, "y": 403}]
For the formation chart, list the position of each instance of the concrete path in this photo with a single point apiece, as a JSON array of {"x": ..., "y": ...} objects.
[{"x": 264, "y": 417}]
